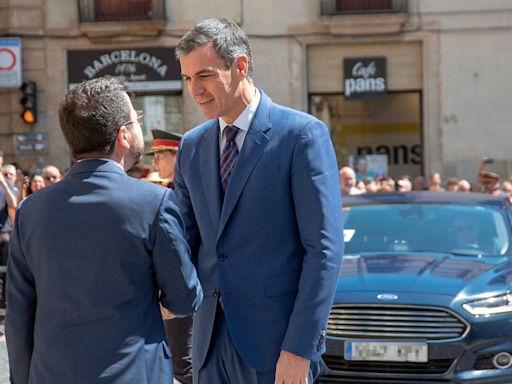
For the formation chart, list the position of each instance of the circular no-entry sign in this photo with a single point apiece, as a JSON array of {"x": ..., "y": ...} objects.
[{"x": 7, "y": 59}]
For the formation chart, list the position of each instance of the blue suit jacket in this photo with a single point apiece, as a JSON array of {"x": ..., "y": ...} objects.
[
  {"x": 273, "y": 248},
  {"x": 88, "y": 258}
]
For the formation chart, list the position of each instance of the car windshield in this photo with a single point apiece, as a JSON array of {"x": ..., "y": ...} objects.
[{"x": 457, "y": 229}]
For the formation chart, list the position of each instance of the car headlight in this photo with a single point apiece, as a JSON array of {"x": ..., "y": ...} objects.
[{"x": 490, "y": 306}]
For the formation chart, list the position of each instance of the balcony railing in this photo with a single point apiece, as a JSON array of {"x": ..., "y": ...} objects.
[
  {"x": 121, "y": 10},
  {"x": 347, "y": 7}
]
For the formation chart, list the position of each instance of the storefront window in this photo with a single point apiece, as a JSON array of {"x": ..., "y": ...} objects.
[
  {"x": 162, "y": 112},
  {"x": 390, "y": 126}
]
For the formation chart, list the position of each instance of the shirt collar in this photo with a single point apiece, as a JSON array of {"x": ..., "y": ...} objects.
[{"x": 243, "y": 121}]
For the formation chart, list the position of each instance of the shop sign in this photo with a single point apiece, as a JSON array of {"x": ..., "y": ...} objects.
[
  {"x": 10, "y": 62},
  {"x": 365, "y": 78},
  {"x": 144, "y": 69}
]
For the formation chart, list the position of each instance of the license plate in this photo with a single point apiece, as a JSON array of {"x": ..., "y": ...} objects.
[{"x": 415, "y": 352}]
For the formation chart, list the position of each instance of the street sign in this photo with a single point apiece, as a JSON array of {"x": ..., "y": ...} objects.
[
  {"x": 30, "y": 137},
  {"x": 10, "y": 62},
  {"x": 34, "y": 147}
]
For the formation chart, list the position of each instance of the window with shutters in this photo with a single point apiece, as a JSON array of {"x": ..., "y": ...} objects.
[
  {"x": 341, "y": 7},
  {"x": 121, "y": 10}
]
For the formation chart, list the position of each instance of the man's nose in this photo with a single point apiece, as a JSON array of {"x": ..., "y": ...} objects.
[{"x": 195, "y": 88}]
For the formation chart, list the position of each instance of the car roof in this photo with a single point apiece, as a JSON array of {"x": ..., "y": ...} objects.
[{"x": 425, "y": 197}]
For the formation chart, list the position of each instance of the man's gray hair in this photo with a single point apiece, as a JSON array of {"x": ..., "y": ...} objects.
[
  {"x": 9, "y": 168},
  {"x": 227, "y": 38}
]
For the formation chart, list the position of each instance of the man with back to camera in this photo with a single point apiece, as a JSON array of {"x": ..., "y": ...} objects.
[
  {"x": 258, "y": 187},
  {"x": 85, "y": 309},
  {"x": 177, "y": 329}
]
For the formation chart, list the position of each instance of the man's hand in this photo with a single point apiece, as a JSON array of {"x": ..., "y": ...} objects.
[
  {"x": 291, "y": 369},
  {"x": 166, "y": 314}
]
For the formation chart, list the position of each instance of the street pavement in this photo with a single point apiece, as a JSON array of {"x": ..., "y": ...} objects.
[{"x": 4, "y": 364}]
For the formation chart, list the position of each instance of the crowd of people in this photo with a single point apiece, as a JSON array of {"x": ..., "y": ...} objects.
[
  {"x": 15, "y": 186},
  {"x": 487, "y": 182}
]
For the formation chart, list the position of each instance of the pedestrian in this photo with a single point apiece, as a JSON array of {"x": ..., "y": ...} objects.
[
  {"x": 464, "y": 186},
  {"x": 452, "y": 185},
  {"x": 85, "y": 308},
  {"x": 435, "y": 182},
  {"x": 31, "y": 184},
  {"x": 490, "y": 183},
  {"x": 8, "y": 204},
  {"x": 348, "y": 182},
  {"x": 257, "y": 184},
  {"x": 164, "y": 148},
  {"x": 404, "y": 184},
  {"x": 178, "y": 330},
  {"x": 418, "y": 183},
  {"x": 51, "y": 175}
]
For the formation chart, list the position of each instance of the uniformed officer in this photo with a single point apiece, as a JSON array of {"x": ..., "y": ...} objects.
[
  {"x": 178, "y": 330},
  {"x": 164, "y": 148}
]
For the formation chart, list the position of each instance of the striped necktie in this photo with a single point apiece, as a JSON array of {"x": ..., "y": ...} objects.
[{"x": 229, "y": 156}]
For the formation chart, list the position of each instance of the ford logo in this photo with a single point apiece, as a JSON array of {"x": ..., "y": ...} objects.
[{"x": 387, "y": 296}]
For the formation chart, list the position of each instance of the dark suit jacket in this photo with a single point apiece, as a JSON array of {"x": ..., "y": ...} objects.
[
  {"x": 273, "y": 248},
  {"x": 88, "y": 258}
]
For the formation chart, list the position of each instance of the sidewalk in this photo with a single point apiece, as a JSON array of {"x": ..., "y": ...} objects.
[{"x": 4, "y": 364}]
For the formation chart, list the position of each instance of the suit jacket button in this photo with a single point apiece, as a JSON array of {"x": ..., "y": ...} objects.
[
  {"x": 221, "y": 256},
  {"x": 214, "y": 293}
]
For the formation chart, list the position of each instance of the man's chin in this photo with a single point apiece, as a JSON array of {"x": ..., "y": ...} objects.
[{"x": 207, "y": 111}]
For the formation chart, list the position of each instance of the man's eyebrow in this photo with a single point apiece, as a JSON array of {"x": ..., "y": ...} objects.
[{"x": 201, "y": 72}]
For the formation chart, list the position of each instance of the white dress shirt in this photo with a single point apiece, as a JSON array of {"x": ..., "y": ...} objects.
[{"x": 242, "y": 122}]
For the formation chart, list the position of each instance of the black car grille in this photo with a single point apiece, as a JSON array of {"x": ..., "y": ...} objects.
[
  {"x": 433, "y": 367},
  {"x": 393, "y": 321},
  {"x": 381, "y": 380}
]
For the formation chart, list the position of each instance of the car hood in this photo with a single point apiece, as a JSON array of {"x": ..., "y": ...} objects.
[{"x": 424, "y": 273}]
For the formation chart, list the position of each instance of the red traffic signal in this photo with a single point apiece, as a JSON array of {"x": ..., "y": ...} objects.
[{"x": 29, "y": 102}]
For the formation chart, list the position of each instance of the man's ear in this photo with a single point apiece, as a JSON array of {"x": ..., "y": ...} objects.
[
  {"x": 122, "y": 138},
  {"x": 242, "y": 64}
]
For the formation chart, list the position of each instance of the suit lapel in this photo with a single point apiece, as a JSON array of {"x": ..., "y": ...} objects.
[
  {"x": 252, "y": 149},
  {"x": 209, "y": 169}
]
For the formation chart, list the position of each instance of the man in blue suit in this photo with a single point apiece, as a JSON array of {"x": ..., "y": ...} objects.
[
  {"x": 93, "y": 256},
  {"x": 258, "y": 187}
]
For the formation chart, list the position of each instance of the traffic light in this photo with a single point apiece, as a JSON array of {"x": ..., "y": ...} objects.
[{"x": 29, "y": 102}]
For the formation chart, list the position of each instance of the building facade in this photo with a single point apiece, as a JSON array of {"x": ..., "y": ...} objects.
[{"x": 421, "y": 84}]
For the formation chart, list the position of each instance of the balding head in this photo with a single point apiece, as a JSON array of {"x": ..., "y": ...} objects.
[
  {"x": 347, "y": 180},
  {"x": 51, "y": 175}
]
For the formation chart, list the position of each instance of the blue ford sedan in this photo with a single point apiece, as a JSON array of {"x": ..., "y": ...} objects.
[{"x": 425, "y": 292}]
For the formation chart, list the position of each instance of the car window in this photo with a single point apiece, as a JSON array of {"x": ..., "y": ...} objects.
[{"x": 459, "y": 229}]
